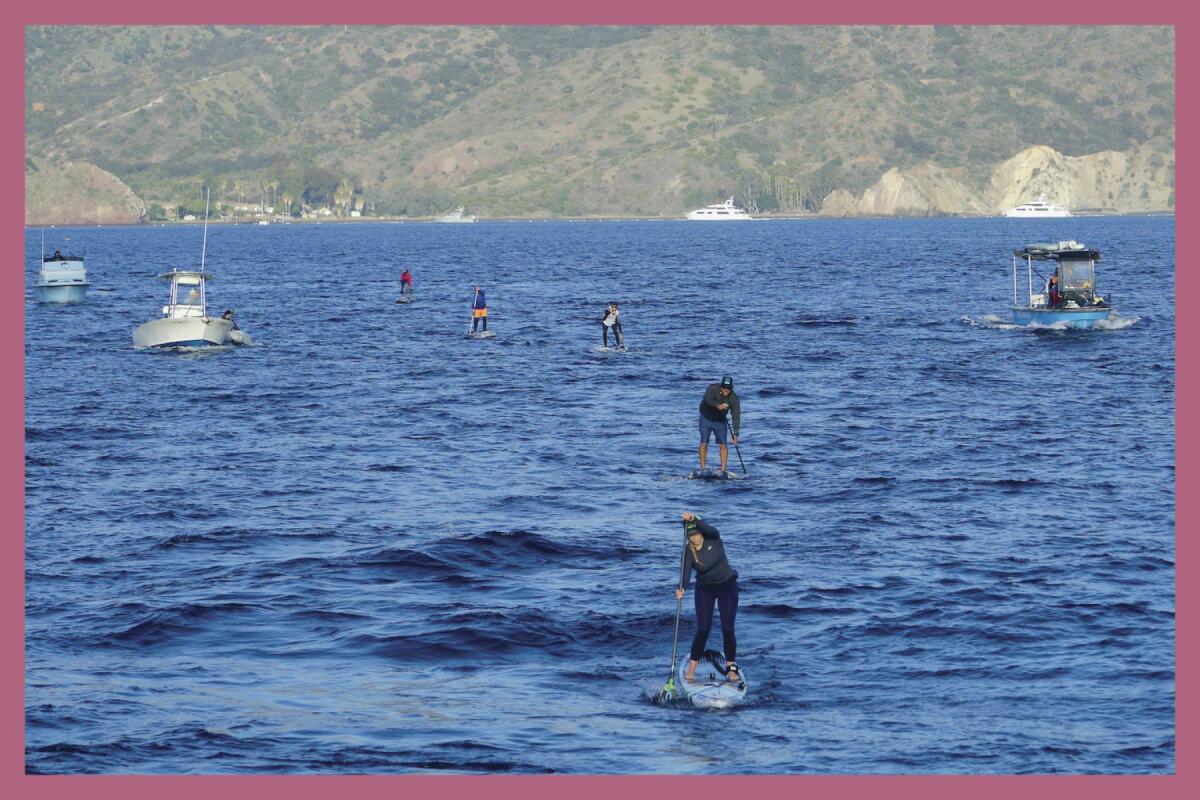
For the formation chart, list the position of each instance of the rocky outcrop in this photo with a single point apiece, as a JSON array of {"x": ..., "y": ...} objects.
[
  {"x": 1140, "y": 179},
  {"x": 924, "y": 191},
  {"x": 1135, "y": 180},
  {"x": 839, "y": 203},
  {"x": 77, "y": 193}
]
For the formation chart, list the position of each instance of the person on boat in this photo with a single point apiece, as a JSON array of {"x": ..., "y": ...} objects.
[
  {"x": 406, "y": 286},
  {"x": 612, "y": 321},
  {"x": 478, "y": 310},
  {"x": 1053, "y": 291},
  {"x": 57, "y": 255},
  {"x": 719, "y": 400},
  {"x": 229, "y": 316},
  {"x": 716, "y": 585}
]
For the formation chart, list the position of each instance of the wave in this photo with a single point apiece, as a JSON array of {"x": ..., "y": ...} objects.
[
  {"x": 825, "y": 322},
  {"x": 167, "y": 624}
]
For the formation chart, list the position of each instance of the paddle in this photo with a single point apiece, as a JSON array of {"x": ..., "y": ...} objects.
[
  {"x": 735, "y": 445},
  {"x": 668, "y": 689},
  {"x": 473, "y": 299}
]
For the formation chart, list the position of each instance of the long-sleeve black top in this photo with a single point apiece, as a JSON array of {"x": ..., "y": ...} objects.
[
  {"x": 713, "y": 398},
  {"x": 711, "y": 566}
]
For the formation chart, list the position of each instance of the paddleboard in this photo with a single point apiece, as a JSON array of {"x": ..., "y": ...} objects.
[
  {"x": 482, "y": 335},
  {"x": 710, "y": 688},
  {"x": 404, "y": 300},
  {"x": 712, "y": 475}
]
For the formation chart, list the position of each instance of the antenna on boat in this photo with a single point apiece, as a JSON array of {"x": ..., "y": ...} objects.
[
  {"x": 43, "y": 243},
  {"x": 204, "y": 243}
]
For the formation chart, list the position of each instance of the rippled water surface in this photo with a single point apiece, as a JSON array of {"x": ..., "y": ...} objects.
[{"x": 372, "y": 544}]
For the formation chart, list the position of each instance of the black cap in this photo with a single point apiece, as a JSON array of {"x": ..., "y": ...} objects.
[{"x": 727, "y": 383}]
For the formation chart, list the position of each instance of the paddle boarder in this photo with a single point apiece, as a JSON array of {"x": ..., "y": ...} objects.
[
  {"x": 719, "y": 400},
  {"x": 478, "y": 310},
  {"x": 406, "y": 286},
  {"x": 716, "y": 585},
  {"x": 612, "y": 321}
]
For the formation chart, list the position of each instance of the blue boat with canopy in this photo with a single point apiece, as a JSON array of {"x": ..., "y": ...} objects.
[{"x": 1076, "y": 303}]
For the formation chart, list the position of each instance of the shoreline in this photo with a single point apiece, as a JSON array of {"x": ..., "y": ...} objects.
[{"x": 595, "y": 218}]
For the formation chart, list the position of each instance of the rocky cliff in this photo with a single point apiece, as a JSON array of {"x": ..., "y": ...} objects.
[
  {"x": 77, "y": 193},
  {"x": 1130, "y": 181},
  {"x": 1141, "y": 179}
]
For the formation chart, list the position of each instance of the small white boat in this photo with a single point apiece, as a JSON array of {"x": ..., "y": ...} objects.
[
  {"x": 185, "y": 321},
  {"x": 457, "y": 215},
  {"x": 1038, "y": 208},
  {"x": 719, "y": 212},
  {"x": 61, "y": 279}
]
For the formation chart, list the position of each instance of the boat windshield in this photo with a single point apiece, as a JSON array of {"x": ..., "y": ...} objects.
[{"x": 1078, "y": 279}]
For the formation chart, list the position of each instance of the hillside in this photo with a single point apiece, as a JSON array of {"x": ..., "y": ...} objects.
[
  {"x": 535, "y": 121},
  {"x": 77, "y": 193}
]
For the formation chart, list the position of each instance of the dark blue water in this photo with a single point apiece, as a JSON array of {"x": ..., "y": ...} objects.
[{"x": 371, "y": 544}]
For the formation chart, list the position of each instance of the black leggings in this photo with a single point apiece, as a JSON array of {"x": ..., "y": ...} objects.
[
  {"x": 726, "y": 596},
  {"x": 617, "y": 337}
]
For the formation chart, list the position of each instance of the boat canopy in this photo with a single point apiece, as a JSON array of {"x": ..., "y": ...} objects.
[
  {"x": 189, "y": 277},
  {"x": 1057, "y": 251}
]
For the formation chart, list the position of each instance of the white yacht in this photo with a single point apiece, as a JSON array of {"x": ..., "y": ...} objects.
[
  {"x": 457, "y": 215},
  {"x": 61, "y": 279},
  {"x": 1038, "y": 208},
  {"x": 719, "y": 212}
]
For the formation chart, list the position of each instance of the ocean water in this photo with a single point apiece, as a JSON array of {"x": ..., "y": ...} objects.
[{"x": 370, "y": 544}]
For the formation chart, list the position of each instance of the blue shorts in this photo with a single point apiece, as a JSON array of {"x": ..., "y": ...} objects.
[{"x": 707, "y": 427}]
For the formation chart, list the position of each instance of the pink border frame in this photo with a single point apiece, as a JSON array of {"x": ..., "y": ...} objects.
[{"x": 692, "y": 12}]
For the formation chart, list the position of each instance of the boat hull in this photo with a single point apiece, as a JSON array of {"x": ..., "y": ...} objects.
[
  {"x": 183, "y": 332},
  {"x": 695, "y": 217},
  {"x": 1083, "y": 318},
  {"x": 61, "y": 293}
]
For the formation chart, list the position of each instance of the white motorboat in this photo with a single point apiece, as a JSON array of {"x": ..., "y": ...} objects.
[
  {"x": 719, "y": 212},
  {"x": 457, "y": 215},
  {"x": 1038, "y": 208},
  {"x": 185, "y": 321},
  {"x": 61, "y": 279}
]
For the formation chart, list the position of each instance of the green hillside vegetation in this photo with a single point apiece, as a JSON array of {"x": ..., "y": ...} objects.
[{"x": 531, "y": 121}]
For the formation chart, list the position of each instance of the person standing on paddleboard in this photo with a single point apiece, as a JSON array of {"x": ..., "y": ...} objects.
[
  {"x": 612, "y": 320},
  {"x": 406, "y": 287},
  {"x": 719, "y": 400},
  {"x": 716, "y": 585},
  {"x": 478, "y": 310}
]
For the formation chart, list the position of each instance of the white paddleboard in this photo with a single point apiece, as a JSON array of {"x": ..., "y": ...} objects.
[
  {"x": 482, "y": 335},
  {"x": 712, "y": 475},
  {"x": 711, "y": 689},
  {"x": 404, "y": 300}
]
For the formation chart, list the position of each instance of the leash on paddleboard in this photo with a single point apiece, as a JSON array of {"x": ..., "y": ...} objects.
[
  {"x": 669, "y": 688},
  {"x": 735, "y": 445}
]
